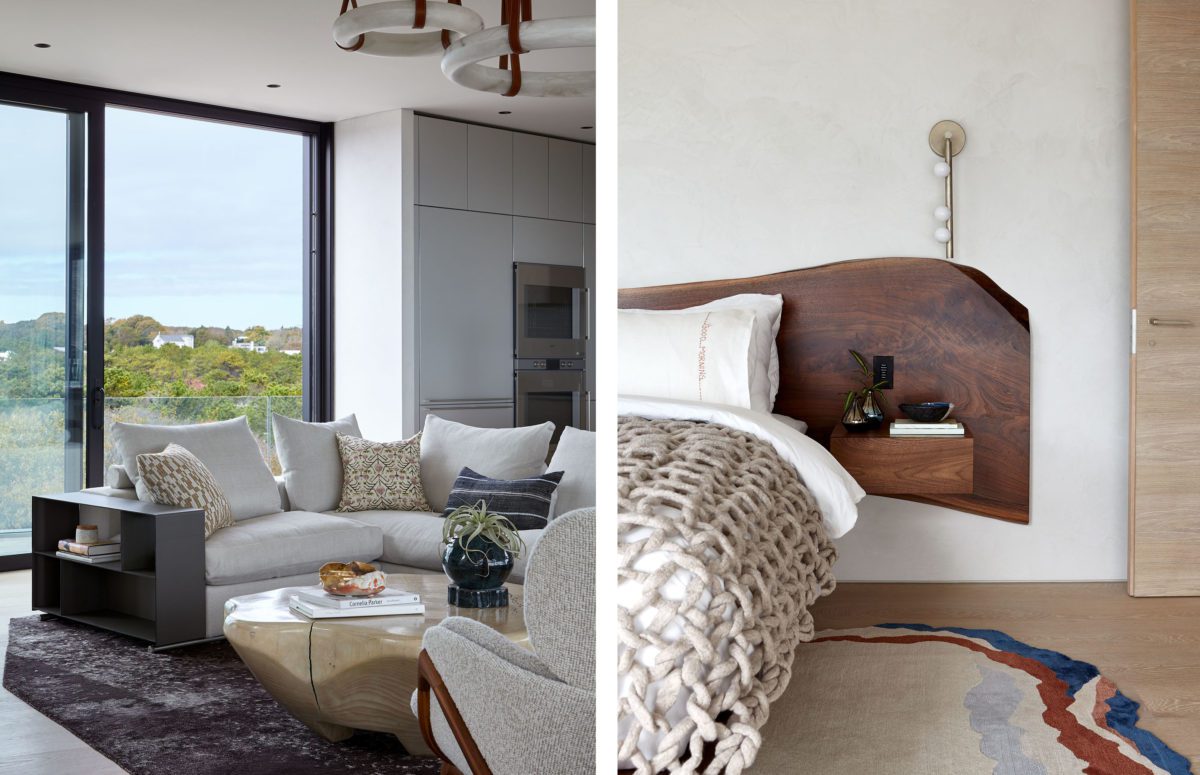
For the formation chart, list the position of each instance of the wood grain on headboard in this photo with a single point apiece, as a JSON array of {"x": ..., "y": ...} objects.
[{"x": 955, "y": 334}]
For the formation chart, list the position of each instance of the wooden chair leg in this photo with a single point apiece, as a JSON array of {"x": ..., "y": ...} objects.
[{"x": 428, "y": 679}]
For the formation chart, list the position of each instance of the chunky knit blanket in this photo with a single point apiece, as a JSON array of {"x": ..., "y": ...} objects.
[{"x": 728, "y": 552}]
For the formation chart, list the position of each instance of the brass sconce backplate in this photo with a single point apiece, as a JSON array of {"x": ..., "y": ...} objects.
[{"x": 937, "y": 137}]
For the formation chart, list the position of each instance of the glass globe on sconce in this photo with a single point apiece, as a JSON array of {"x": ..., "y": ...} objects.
[
  {"x": 941, "y": 169},
  {"x": 942, "y": 235},
  {"x": 942, "y": 213}
]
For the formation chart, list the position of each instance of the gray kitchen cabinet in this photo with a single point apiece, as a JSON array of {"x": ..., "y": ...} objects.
[
  {"x": 441, "y": 163},
  {"x": 484, "y": 414},
  {"x": 465, "y": 303},
  {"x": 589, "y": 266},
  {"x": 565, "y": 180},
  {"x": 530, "y": 189},
  {"x": 589, "y": 184},
  {"x": 540, "y": 241},
  {"x": 489, "y": 169}
]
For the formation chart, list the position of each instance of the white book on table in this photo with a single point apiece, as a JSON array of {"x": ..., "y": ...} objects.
[
  {"x": 319, "y": 612},
  {"x": 316, "y": 595},
  {"x": 914, "y": 424},
  {"x": 89, "y": 560},
  {"x": 934, "y": 432}
]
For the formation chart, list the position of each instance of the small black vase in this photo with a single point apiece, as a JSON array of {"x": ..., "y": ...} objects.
[
  {"x": 872, "y": 411},
  {"x": 476, "y": 571}
]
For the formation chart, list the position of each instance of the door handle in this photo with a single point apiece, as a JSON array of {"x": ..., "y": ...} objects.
[
  {"x": 1169, "y": 322},
  {"x": 96, "y": 414}
]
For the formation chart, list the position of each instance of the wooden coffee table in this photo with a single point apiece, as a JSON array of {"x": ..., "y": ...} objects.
[{"x": 338, "y": 675}]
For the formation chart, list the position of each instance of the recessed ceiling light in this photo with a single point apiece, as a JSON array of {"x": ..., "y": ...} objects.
[
  {"x": 41, "y": 45},
  {"x": 272, "y": 86},
  {"x": 504, "y": 112}
]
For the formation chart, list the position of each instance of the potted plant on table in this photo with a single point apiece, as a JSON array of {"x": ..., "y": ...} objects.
[
  {"x": 863, "y": 407},
  {"x": 481, "y": 547}
]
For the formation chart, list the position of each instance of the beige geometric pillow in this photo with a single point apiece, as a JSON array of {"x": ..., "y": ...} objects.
[
  {"x": 176, "y": 477},
  {"x": 381, "y": 475}
]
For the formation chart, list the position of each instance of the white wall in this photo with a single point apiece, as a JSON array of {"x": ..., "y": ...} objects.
[
  {"x": 766, "y": 136},
  {"x": 368, "y": 278}
]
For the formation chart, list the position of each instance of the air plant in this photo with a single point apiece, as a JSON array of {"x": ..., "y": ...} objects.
[{"x": 466, "y": 523}]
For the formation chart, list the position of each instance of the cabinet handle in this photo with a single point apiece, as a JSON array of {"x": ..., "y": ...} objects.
[{"x": 1169, "y": 322}]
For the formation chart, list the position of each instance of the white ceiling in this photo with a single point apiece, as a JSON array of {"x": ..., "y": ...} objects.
[{"x": 224, "y": 52}]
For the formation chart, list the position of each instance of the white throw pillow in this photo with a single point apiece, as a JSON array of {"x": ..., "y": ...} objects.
[
  {"x": 764, "y": 354},
  {"x": 228, "y": 449},
  {"x": 575, "y": 456},
  {"x": 691, "y": 356},
  {"x": 499, "y": 453},
  {"x": 308, "y": 454}
]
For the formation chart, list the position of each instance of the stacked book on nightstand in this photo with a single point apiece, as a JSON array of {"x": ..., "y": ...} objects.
[
  {"x": 946, "y": 427},
  {"x": 92, "y": 554},
  {"x": 315, "y": 603}
]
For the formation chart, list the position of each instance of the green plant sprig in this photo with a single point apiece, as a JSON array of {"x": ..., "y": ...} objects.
[
  {"x": 867, "y": 389},
  {"x": 466, "y": 523}
]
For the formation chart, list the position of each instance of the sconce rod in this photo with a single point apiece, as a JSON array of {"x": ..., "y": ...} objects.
[
  {"x": 947, "y": 139},
  {"x": 949, "y": 158}
]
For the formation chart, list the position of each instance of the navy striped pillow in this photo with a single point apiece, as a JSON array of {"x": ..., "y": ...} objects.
[{"x": 526, "y": 502}]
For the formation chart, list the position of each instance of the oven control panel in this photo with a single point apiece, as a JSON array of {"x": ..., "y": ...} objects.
[{"x": 550, "y": 364}]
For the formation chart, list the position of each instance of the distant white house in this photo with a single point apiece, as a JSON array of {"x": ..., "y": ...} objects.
[
  {"x": 242, "y": 343},
  {"x": 290, "y": 352},
  {"x": 5, "y": 355},
  {"x": 179, "y": 340}
]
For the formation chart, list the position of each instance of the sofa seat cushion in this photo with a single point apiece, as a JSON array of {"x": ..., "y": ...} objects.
[
  {"x": 414, "y": 538},
  {"x": 285, "y": 544}
]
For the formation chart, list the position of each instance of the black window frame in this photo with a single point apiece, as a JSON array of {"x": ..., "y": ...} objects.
[{"x": 318, "y": 239}]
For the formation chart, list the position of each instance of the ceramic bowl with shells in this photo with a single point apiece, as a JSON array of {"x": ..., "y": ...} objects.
[{"x": 352, "y": 579}]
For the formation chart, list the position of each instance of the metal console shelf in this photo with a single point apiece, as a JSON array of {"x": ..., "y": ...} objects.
[{"x": 155, "y": 592}]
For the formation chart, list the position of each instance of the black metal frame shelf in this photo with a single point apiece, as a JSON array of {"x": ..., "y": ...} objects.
[{"x": 155, "y": 592}]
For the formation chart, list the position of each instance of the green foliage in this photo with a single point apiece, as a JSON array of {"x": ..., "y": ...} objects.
[{"x": 466, "y": 523}]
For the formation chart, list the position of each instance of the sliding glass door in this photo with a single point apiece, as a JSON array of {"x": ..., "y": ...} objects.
[{"x": 42, "y": 287}]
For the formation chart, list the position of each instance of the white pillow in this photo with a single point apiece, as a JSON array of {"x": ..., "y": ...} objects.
[
  {"x": 498, "y": 453},
  {"x": 575, "y": 456},
  {"x": 763, "y": 356},
  {"x": 691, "y": 356}
]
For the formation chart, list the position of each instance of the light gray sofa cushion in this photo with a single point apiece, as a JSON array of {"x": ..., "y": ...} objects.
[
  {"x": 414, "y": 538},
  {"x": 228, "y": 449},
  {"x": 287, "y": 543},
  {"x": 117, "y": 478},
  {"x": 500, "y": 453},
  {"x": 308, "y": 453},
  {"x": 575, "y": 456}
]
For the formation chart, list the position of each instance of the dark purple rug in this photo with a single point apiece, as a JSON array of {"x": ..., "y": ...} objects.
[{"x": 191, "y": 711}]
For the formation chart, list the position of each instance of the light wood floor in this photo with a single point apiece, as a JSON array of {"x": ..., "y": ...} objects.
[
  {"x": 1149, "y": 647},
  {"x": 30, "y": 743}
]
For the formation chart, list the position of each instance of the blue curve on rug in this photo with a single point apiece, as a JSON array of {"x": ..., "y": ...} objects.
[{"x": 1122, "y": 716}]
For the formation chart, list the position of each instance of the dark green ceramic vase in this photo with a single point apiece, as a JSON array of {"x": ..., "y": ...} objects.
[{"x": 476, "y": 571}]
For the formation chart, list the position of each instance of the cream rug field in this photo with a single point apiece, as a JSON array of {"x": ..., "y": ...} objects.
[{"x": 908, "y": 699}]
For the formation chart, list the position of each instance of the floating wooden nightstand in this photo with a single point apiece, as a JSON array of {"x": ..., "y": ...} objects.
[{"x": 906, "y": 465}]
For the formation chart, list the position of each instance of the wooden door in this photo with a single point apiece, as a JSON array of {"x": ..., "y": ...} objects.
[{"x": 1164, "y": 536}]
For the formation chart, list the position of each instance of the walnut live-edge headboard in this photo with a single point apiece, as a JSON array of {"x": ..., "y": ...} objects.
[{"x": 956, "y": 336}]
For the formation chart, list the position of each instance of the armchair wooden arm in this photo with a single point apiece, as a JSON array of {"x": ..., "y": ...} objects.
[{"x": 429, "y": 679}]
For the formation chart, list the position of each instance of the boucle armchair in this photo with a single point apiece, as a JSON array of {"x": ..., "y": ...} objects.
[{"x": 489, "y": 707}]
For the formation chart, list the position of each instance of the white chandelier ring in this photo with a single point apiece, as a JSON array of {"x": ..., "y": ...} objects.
[
  {"x": 461, "y": 61},
  {"x": 368, "y": 20}
]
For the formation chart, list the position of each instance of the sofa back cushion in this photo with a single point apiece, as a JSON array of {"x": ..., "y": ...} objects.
[
  {"x": 308, "y": 454},
  {"x": 575, "y": 456},
  {"x": 228, "y": 449},
  {"x": 503, "y": 453},
  {"x": 176, "y": 477}
]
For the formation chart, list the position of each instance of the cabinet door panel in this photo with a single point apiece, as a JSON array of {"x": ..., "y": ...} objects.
[
  {"x": 539, "y": 241},
  {"x": 530, "y": 186},
  {"x": 464, "y": 270},
  {"x": 565, "y": 178},
  {"x": 489, "y": 169},
  {"x": 441, "y": 163},
  {"x": 589, "y": 184},
  {"x": 476, "y": 415}
]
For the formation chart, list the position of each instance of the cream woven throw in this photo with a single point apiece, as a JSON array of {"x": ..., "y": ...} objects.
[{"x": 731, "y": 514}]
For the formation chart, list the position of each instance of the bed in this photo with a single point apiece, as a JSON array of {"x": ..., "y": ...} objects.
[{"x": 728, "y": 509}]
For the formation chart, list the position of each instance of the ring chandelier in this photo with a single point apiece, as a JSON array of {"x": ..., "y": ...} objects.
[{"x": 464, "y": 43}]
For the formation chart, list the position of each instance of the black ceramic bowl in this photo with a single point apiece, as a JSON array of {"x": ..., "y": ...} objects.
[{"x": 930, "y": 411}]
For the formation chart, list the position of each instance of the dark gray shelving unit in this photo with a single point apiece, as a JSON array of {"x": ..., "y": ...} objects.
[{"x": 155, "y": 592}]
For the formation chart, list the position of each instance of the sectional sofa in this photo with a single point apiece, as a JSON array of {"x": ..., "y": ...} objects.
[{"x": 286, "y": 527}]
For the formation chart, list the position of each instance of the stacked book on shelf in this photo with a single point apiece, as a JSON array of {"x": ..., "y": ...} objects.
[
  {"x": 315, "y": 603},
  {"x": 101, "y": 551},
  {"x": 913, "y": 428}
]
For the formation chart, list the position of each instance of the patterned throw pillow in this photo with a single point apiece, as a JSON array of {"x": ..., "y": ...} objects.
[
  {"x": 381, "y": 475},
  {"x": 176, "y": 477},
  {"x": 526, "y": 502}
]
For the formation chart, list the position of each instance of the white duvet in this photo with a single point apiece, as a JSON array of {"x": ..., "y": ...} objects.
[{"x": 834, "y": 490}]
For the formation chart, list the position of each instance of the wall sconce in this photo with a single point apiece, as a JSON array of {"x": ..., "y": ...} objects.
[{"x": 946, "y": 140}]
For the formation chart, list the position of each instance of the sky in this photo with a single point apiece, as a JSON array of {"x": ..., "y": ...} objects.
[{"x": 203, "y": 221}]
